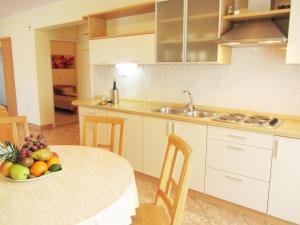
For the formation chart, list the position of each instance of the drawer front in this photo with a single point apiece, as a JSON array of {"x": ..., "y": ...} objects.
[
  {"x": 239, "y": 159},
  {"x": 241, "y": 137},
  {"x": 237, "y": 189}
]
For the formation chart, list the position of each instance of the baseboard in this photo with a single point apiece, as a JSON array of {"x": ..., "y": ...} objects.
[{"x": 40, "y": 128}]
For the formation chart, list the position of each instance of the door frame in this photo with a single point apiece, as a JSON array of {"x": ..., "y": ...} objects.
[{"x": 9, "y": 76}]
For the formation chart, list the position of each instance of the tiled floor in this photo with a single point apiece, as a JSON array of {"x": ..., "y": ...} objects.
[{"x": 198, "y": 212}]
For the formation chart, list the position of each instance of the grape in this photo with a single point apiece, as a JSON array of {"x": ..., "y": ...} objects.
[
  {"x": 34, "y": 148},
  {"x": 28, "y": 153},
  {"x": 31, "y": 135}
]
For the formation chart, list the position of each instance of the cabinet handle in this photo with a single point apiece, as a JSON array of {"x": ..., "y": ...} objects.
[
  {"x": 235, "y": 148},
  {"x": 236, "y": 136},
  {"x": 233, "y": 178},
  {"x": 275, "y": 149}
]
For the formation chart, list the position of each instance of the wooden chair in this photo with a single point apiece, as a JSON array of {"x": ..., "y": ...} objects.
[
  {"x": 96, "y": 120},
  {"x": 171, "y": 196},
  {"x": 9, "y": 128}
]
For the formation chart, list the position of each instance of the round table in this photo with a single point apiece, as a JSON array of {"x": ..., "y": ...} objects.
[{"x": 95, "y": 187}]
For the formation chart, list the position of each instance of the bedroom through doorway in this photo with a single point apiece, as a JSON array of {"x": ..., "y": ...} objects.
[{"x": 64, "y": 74}]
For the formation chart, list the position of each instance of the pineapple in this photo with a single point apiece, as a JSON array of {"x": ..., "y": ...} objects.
[{"x": 9, "y": 152}]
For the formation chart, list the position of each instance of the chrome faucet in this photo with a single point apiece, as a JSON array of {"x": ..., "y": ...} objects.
[{"x": 190, "y": 105}]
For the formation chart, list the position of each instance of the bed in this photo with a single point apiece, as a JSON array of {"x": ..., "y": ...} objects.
[{"x": 63, "y": 97}]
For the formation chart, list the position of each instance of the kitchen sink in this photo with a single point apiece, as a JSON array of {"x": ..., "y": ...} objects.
[
  {"x": 201, "y": 114},
  {"x": 170, "y": 110}
]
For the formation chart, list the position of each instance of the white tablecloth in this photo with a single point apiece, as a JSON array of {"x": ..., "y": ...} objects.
[{"x": 95, "y": 187}]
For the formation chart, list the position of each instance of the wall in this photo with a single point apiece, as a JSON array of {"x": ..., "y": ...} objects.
[
  {"x": 2, "y": 83},
  {"x": 258, "y": 79},
  {"x": 64, "y": 76},
  {"x": 22, "y": 29}
]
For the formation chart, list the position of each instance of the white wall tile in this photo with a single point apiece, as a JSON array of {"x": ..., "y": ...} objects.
[{"x": 258, "y": 79}]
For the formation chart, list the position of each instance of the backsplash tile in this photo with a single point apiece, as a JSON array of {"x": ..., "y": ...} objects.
[{"x": 258, "y": 79}]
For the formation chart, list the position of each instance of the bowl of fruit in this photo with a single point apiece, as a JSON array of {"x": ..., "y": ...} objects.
[{"x": 33, "y": 161}]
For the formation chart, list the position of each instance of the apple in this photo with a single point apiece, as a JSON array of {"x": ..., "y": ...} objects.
[
  {"x": 5, "y": 168},
  {"x": 27, "y": 161},
  {"x": 19, "y": 172},
  {"x": 55, "y": 154}
]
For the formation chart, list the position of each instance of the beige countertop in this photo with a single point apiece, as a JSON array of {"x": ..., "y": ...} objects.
[{"x": 289, "y": 128}]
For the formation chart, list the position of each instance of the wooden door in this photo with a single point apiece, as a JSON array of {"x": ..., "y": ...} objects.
[
  {"x": 284, "y": 197},
  {"x": 8, "y": 69}
]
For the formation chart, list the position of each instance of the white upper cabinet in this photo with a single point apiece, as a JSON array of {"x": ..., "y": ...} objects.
[
  {"x": 293, "y": 50},
  {"x": 104, "y": 51},
  {"x": 130, "y": 49},
  {"x": 284, "y": 197},
  {"x": 137, "y": 49}
]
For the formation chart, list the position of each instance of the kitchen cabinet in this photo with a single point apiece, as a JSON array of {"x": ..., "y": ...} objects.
[
  {"x": 129, "y": 49},
  {"x": 293, "y": 48},
  {"x": 189, "y": 32},
  {"x": 284, "y": 197},
  {"x": 155, "y": 139},
  {"x": 195, "y": 135},
  {"x": 103, "y": 136},
  {"x": 202, "y": 31},
  {"x": 132, "y": 140},
  {"x": 104, "y": 51},
  {"x": 240, "y": 163},
  {"x": 170, "y": 22},
  {"x": 137, "y": 49},
  {"x": 238, "y": 189}
]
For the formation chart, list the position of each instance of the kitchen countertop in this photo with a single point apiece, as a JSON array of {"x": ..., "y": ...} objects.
[{"x": 289, "y": 128}]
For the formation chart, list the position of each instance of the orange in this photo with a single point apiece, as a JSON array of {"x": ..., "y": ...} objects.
[
  {"x": 38, "y": 168},
  {"x": 52, "y": 160}
]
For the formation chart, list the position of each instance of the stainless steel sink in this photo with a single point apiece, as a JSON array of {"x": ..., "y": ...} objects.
[
  {"x": 170, "y": 110},
  {"x": 201, "y": 114}
]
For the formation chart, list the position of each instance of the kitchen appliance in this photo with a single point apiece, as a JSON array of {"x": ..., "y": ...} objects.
[{"x": 250, "y": 120}]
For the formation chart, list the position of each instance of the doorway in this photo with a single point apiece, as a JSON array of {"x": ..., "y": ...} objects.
[
  {"x": 8, "y": 97},
  {"x": 64, "y": 74}
]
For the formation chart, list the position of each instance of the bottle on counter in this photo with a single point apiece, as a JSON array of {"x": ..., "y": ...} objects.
[
  {"x": 115, "y": 94},
  {"x": 230, "y": 9},
  {"x": 236, "y": 8}
]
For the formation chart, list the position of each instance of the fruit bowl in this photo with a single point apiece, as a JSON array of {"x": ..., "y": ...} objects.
[
  {"x": 34, "y": 161},
  {"x": 29, "y": 180}
]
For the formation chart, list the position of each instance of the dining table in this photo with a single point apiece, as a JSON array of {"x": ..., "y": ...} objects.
[{"x": 94, "y": 187}]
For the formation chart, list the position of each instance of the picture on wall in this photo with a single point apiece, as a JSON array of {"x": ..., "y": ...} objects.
[{"x": 63, "y": 62}]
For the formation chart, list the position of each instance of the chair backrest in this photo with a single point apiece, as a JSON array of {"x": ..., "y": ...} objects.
[
  {"x": 172, "y": 194},
  {"x": 96, "y": 121},
  {"x": 9, "y": 128}
]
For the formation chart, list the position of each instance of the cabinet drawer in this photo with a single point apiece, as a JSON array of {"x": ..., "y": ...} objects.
[
  {"x": 241, "y": 137},
  {"x": 237, "y": 189},
  {"x": 239, "y": 159}
]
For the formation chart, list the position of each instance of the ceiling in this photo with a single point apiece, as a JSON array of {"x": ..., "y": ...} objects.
[{"x": 11, "y": 7}]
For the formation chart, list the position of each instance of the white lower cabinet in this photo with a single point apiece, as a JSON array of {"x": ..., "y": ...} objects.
[
  {"x": 155, "y": 139},
  {"x": 103, "y": 135},
  {"x": 238, "y": 189},
  {"x": 132, "y": 140},
  {"x": 195, "y": 136},
  {"x": 238, "y": 166},
  {"x": 284, "y": 198}
]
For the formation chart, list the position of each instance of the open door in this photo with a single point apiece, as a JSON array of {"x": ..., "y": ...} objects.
[{"x": 9, "y": 78}]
